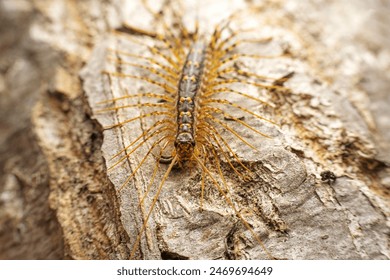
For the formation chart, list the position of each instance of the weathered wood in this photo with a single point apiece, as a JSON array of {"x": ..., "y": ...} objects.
[{"x": 322, "y": 185}]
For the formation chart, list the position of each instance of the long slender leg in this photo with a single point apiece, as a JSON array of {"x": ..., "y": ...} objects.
[
  {"x": 135, "y": 246},
  {"x": 231, "y": 204}
]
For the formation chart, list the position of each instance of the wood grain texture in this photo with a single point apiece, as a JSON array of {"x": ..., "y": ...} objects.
[{"x": 333, "y": 121}]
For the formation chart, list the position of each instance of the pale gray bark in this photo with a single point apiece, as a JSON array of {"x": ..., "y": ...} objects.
[{"x": 59, "y": 201}]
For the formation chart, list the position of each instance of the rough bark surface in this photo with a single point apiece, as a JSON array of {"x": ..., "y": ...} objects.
[{"x": 322, "y": 189}]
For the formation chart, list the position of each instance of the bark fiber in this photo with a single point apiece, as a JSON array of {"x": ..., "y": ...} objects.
[{"x": 322, "y": 185}]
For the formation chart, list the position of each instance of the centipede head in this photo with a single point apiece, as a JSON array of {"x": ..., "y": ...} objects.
[{"x": 185, "y": 145}]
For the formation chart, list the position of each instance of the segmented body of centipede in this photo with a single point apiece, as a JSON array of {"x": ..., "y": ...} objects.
[
  {"x": 188, "y": 89},
  {"x": 192, "y": 79}
]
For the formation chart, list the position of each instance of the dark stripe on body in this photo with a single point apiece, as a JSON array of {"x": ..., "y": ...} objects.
[{"x": 189, "y": 85}]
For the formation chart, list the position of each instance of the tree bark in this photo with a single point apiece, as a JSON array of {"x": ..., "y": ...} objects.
[{"x": 322, "y": 182}]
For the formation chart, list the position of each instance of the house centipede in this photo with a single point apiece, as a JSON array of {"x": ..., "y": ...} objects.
[{"x": 185, "y": 118}]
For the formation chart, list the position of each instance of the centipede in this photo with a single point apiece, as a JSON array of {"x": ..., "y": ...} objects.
[{"x": 183, "y": 91}]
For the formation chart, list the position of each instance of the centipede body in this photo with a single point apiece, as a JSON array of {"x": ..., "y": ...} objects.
[{"x": 188, "y": 88}]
